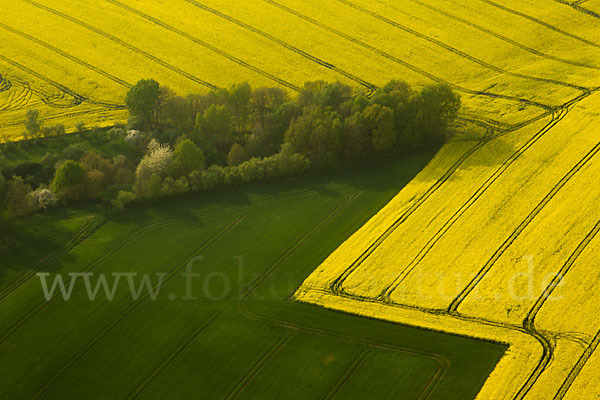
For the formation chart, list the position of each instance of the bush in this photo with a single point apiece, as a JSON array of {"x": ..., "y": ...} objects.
[
  {"x": 116, "y": 134},
  {"x": 74, "y": 152},
  {"x": 44, "y": 198},
  {"x": 71, "y": 181},
  {"x": 80, "y": 128},
  {"x": 18, "y": 199},
  {"x": 124, "y": 198},
  {"x": 187, "y": 158}
]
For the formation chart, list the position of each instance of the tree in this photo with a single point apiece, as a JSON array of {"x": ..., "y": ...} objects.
[
  {"x": 155, "y": 185},
  {"x": 236, "y": 155},
  {"x": 239, "y": 102},
  {"x": 435, "y": 107},
  {"x": 44, "y": 198},
  {"x": 157, "y": 162},
  {"x": 267, "y": 99},
  {"x": 187, "y": 158},
  {"x": 142, "y": 101},
  {"x": 80, "y": 128},
  {"x": 381, "y": 121},
  {"x": 2, "y": 188},
  {"x": 32, "y": 124},
  {"x": 355, "y": 138},
  {"x": 332, "y": 95},
  {"x": 17, "y": 198},
  {"x": 216, "y": 132},
  {"x": 316, "y": 135},
  {"x": 124, "y": 198},
  {"x": 70, "y": 181}
]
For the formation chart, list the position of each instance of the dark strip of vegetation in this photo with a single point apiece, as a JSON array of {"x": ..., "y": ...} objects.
[{"x": 174, "y": 145}]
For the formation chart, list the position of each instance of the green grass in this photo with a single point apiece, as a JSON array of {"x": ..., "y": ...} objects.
[{"x": 258, "y": 244}]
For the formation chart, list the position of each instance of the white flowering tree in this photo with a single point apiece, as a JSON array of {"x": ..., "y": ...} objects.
[
  {"x": 44, "y": 198},
  {"x": 155, "y": 163}
]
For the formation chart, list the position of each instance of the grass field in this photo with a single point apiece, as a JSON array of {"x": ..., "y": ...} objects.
[
  {"x": 512, "y": 63},
  {"x": 243, "y": 337}
]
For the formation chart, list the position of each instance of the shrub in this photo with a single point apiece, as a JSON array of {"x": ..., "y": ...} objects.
[
  {"x": 74, "y": 152},
  {"x": 124, "y": 198},
  {"x": 44, "y": 198},
  {"x": 187, "y": 158},
  {"x": 71, "y": 181},
  {"x": 17, "y": 198}
]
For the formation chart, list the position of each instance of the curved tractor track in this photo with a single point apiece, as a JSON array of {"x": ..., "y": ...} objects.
[
  {"x": 576, "y": 5},
  {"x": 123, "y": 44},
  {"x": 493, "y": 126},
  {"x": 528, "y": 324}
]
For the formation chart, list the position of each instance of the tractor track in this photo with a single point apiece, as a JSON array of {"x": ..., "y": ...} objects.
[
  {"x": 204, "y": 44},
  {"x": 547, "y": 108},
  {"x": 336, "y": 285},
  {"x": 126, "y": 312},
  {"x": 172, "y": 356},
  {"x": 92, "y": 226},
  {"x": 443, "y": 362},
  {"x": 66, "y": 55},
  {"x": 123, "y": 44},
  {"x": 527, "y": 326},
  {"x": 85, "y": 233},
  {"x": 349, "y": 372},
  {"x": 504, "y": 38},
  {"x": 387, "y": 292},
  {"x": 566, "y": 385},
  {"x": 367, "y": 85},
  {"x": 459, "y": 52},
  {"x": 540, "y": 22},
  {"x": 529, "y": 320},
  {"x": 576, "y": 5}
]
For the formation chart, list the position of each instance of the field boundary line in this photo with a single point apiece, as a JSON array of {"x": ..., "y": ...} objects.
[
  {"x": 442, "y": 361},
  {"x": 337, "y": 284},
  {"x": 546, "y": 347}
]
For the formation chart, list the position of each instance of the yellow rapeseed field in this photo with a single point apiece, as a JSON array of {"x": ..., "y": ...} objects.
[
  {"x": 496, "y": 238},
  {"x": 74, "y": 61}
]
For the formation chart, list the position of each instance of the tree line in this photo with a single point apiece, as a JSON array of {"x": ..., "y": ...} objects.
[{"x": 227, "y": 137}]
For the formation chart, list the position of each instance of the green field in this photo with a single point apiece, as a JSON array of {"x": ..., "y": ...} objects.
[{"x": 243, "y": 337}]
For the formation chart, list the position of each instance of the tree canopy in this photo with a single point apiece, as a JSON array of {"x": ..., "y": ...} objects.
[{"x": 142, "y": 103}]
